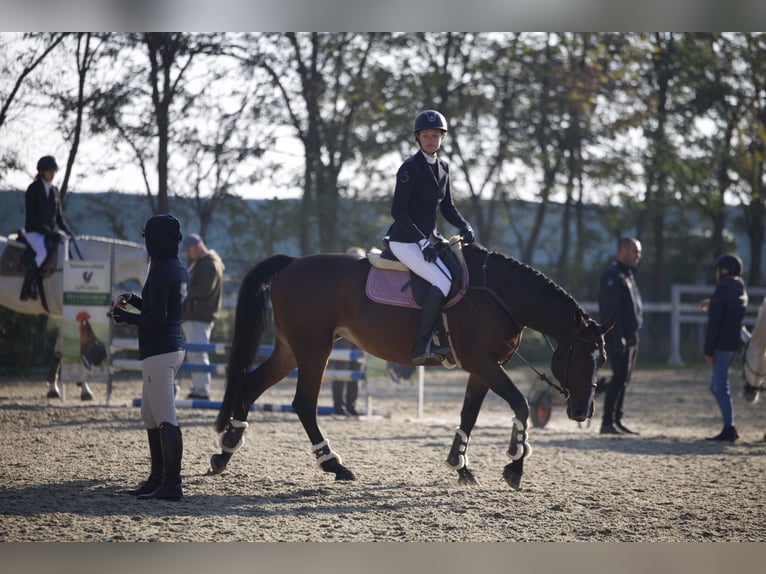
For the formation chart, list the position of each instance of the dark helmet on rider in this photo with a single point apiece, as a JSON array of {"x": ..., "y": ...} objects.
[
  {"x": 730, "y": 262},
  {"x": 47, "y": 162},
  {"x": 429, "y": 119}
]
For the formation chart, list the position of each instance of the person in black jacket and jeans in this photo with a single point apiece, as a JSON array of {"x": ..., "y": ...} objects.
[
  {"x": 725, "y": 311},
  {"x": 161, "y": 350},
  {"x": 619, "y": 298}
]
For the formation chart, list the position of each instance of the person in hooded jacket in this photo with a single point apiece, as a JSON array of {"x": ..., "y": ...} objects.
[
  {"x": 725, "y": 313},
  {"x": 161, "y": 351}
]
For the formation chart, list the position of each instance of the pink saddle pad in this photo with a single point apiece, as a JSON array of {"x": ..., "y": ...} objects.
[{"x": 391, "y": 287}]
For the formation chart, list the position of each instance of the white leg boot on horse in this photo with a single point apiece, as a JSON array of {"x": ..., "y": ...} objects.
[
  {"x": 85, "y": 392},
  {"x": 157, "y": 472},
  {"x": 429, "y": 315}
]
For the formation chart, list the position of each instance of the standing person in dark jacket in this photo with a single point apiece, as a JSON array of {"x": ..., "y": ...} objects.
[
  {"x": 203, "y": 304},
  {"x": 42, "y": 210},
  {"x": 161, "y": 350},
  {"x": 423, "y": 188},
  {"x": 725, "y": 312},
  {"x": 619, "y": 298}
]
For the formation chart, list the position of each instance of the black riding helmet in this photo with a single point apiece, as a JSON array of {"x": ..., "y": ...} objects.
[
  {"x": 429, "y": 119},
  {"x": 46, "y": 162},
  {"x": 730, "y": 262},
  {"x": 162, "y": 234}
]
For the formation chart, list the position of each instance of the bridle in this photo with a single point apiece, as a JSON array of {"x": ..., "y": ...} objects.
[{"x": 561, "y": 388}]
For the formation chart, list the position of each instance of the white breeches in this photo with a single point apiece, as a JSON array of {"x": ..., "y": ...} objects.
[
  {"x": 411, "y": 255},
  {"x": 37, "y": 243},
  {"x": 158, "y": 395}
]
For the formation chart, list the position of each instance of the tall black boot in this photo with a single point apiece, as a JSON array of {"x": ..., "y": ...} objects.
[
  {"x": 432, "y": 306},
  {"x": 337, "y": 398},
  {"x": 172, "y": 453},
  {"x": 157, "y": 471},
  {"x": 29, "y": 287},
  {"x": 610, "y": 405},
  {"x": 352, "y": 392}
]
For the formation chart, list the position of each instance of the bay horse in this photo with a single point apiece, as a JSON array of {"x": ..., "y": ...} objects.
[
  {"x": 317, "y": 298},
  {"x": 130, "y": 264},
  {"x": 754, "y": 357}
]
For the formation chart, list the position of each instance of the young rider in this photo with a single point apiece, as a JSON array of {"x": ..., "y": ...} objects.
[{"x": 422, "y": 188}]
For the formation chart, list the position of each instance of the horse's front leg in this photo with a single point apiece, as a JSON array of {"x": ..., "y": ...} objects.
[
  {"x": 457, "y": 459},
  {"x": 501, "y": 384},
  {"x": 305, "y": 406}
]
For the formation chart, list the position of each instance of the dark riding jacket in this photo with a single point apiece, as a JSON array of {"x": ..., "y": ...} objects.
[
  {"x": 619, "y": 297},
  {"x": 420, "y": 190},
  {"x": 43, "y": 212},
  {"x": 725, "y": 314},
  {"x": 162, "y": 298}
]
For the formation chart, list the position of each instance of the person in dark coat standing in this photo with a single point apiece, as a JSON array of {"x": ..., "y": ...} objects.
[
  {"x": 423, "y": 188},
  {"x": 619, "y": 298},
  {"x": 725, "y": 313},
  {"x": 42, "y": 211},
  {"x": 202, "y": 307},
  {"x": 161, "y": 351}
]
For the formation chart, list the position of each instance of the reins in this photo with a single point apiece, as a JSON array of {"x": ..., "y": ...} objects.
[{"x": 514, "y": 352}]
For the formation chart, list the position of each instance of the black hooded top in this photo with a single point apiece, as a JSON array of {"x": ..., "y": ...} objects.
[
  {"x": 162, "y": 298},
  {"x": 725, "y": 314}
]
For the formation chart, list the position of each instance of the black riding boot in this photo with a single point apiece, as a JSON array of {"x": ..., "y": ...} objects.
[
  {"x": 432, "y": 306},
  {"x": 352, "y": 392},
  {"x": 172, "y": 452},
  {"x": 157, "y": 471},
  {"x": 29, "y": 287},
  {"x": 337, "y": 398}
]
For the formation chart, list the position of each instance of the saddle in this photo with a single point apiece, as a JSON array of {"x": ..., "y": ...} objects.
[
  {"x": 18, "y": 255},
  {"x": 18, "y": 259},
  {"x": 390, "y": 282}
]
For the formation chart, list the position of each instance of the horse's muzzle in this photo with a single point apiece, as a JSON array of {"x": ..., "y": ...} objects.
[{"x": 579, "y": 411}]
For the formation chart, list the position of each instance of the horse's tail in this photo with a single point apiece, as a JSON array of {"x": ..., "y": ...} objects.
[{"x": 249, "y": 325}]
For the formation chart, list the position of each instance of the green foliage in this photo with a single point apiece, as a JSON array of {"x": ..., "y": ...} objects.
[{"x": 27, "y": 342}]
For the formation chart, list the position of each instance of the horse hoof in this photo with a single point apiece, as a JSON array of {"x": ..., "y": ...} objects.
[
  {"x": 53, "y": 394},
  {"x": 466, "y": 477},
  {"x": 86, "y": 396},
  {"x": 218, "y": 463},
  {"x": 512, "y": 477},
  {"x": 344, "y": 474}
]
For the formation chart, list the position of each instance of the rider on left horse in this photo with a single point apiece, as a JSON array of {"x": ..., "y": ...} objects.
[
  {"x": 422, "y": 187},
  {"x": 43, "y": 211}
]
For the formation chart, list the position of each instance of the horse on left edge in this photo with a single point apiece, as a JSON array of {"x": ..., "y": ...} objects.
[{"x": 129, "y": 269}]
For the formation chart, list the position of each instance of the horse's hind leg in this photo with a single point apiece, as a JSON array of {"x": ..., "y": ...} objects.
[
  {"x": 305, "y": 405},
  {"x": 457, "y": 459},
  {"x": 256, "y": 382}
]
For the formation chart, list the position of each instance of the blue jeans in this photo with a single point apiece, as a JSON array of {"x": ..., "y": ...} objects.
[{"x": 719, "y": 384}]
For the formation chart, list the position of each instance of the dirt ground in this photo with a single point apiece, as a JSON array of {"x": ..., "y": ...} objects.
[{"x": 66, "y": 463}]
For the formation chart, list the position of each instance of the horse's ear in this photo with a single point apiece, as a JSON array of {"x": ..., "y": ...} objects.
[{"x": 606, "y": 327}]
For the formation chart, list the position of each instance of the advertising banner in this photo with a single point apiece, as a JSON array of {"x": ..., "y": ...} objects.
[{"x": 85, "y": 326}]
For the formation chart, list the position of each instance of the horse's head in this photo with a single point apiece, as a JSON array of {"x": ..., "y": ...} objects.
[{"x": 575, "y": 364}]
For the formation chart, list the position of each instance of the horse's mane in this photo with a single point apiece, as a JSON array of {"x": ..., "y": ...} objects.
[{"x": 544, "y": 281}]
